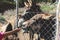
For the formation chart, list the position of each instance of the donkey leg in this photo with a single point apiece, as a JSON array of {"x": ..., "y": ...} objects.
[
  {"x": 39, "y": 36},
  {"x": 31, "y": 35}
]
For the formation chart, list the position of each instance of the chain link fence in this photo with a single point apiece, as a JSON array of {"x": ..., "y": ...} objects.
[
  {"x": 44, "y": 25},
  {"x": 35, "y": 21}
]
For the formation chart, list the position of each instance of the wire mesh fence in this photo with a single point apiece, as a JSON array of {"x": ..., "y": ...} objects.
[
  {"x": 35, "y": 21},
  {"x": 42, "y": 24}
]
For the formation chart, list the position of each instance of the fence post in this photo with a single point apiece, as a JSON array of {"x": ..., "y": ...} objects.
[
  {"x": 16, "y": 25},
  {"x": 16, "y": 13},
  {"x": 57, "y": 23}
]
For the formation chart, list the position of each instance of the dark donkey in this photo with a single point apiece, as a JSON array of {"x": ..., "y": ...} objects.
[
  {"x": 32, "y": 11},
  {"x": 43, "y": 27}
]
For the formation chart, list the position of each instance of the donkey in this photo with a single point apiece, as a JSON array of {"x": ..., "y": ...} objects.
[
  {"x": 32, "y": 10},
  {"x": 38, "y": 23}
]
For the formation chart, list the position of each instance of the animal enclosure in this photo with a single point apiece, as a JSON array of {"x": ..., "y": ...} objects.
[{"x": 36, "y": 20}]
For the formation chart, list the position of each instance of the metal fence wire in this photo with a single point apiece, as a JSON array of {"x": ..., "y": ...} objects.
[
  {"x": 35, "y": 21},
  {"x": 44, "y": 27}
]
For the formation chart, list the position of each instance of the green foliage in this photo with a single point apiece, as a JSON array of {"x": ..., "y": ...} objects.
[
  {"x": 8, "y": 1},
  {"x": 48, "y": 7},
  {"x": 42, "y": 0},
  {"x": 2, "y": 19}
]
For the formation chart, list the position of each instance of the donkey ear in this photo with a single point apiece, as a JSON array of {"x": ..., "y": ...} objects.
[
  {"x": 26, "y": 4},
  {"x": 30, "y": 2}
]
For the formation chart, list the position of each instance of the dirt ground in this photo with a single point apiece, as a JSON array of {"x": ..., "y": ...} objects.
[{"x": 25, "y": 36}]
